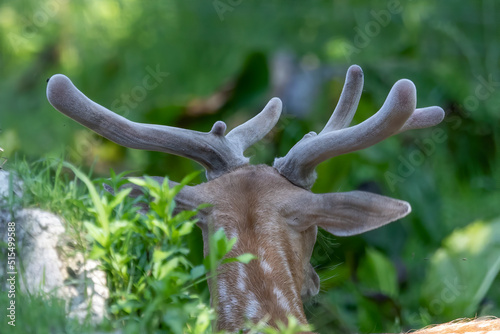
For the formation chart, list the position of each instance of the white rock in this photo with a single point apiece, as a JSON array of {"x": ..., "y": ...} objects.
[{"x": 47, "y": 260}]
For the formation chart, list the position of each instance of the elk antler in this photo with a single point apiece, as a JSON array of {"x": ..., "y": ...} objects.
[
  {"x": 219, "y": 154},
  {"x": 398, "y": 114}
]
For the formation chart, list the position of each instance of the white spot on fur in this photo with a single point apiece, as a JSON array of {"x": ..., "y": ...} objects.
[
  {"x": 222, "y": 290},
  {"x": 288, "y": 272},
  {"x": 228, "y": 313},
  {"x": 242, "y": 276},
  {"x": 298, "y": 306},
  {"x": 266, "y": 267},
  {"x": 284, "y": 261},
  {"x": 295, "y": 294},
  {"x": 282, "y": 301},
  {"x": 225, "y": 306},
  {"x": 253, "y": 307}
]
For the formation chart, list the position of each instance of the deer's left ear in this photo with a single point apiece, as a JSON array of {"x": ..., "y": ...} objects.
[{"x": 343, "y": 214}]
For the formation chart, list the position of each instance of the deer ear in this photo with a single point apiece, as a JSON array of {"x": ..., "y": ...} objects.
[{"x": 344, "y": 214}]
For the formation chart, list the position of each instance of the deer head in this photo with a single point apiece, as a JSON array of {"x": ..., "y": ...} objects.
[{"x": 271, "y": 210}]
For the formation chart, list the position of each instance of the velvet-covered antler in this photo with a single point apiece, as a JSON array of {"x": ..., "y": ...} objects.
[
  {"x": 396, "y": 115},
  {"x": 218, "y": 153}
]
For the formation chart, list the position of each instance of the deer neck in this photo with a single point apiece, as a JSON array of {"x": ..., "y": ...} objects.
[
  {"x": 269, "y": 286},
  {"x": 264, "y": 287}
]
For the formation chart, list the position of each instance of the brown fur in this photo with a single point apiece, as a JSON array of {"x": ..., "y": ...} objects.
[
  {"x": 462, "y": 326},
  {"x": 246, "y": 203}
]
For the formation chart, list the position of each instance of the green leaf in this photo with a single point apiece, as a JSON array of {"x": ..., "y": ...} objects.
[
  {"x": 119, "y": 197},
  {"x": 97, "y": 233},
  {"x": 462, "y": 271},
  {"x": 162, "y": 270},
  {"x": 159, "y": 256},
  {"x": 117, "y": 226},
  {"x": 246, "y": 258},
  {"x": 377, "y": 272},
  {"x": 185, "y": 228},
  {"x": 197, "y": 272},
  {"x": 96, "y": 199},
  {"x": 243, "y": 258},
  {"x": 138, "y": 181},
  {"x": 98, "y": 252}
]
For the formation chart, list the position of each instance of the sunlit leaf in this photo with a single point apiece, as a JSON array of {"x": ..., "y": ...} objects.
[{"x": 462, "y": 270}]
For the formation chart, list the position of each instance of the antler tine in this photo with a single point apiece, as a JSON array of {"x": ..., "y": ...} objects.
[
  {"x": 217, "y": 153},
  {"x": 397, "y": 114},
  {"x": 253, "y": 130},
  {"x": 423, "y": 118},
  {"x": 348, "y": 101}
]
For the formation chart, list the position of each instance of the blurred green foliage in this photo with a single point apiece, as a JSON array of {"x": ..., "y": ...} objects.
[
  {"x": 381, "y": 281},
  {"x": 145, "y": 258}
]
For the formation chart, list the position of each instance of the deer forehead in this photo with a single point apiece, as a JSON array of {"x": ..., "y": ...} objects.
[
  {"x": 252, "y": 188},
  {"x": 252, "y": 199}
]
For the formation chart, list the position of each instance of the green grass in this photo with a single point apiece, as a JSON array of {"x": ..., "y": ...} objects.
[{"x": 40, "y": 314}]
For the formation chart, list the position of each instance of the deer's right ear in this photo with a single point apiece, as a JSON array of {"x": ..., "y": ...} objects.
[{"x": 343, "y": 214}]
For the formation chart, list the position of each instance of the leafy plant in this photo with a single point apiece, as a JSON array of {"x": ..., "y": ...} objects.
[
  {"x": 145, "y": 257},
  {"x": 462, "y": 271}
]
